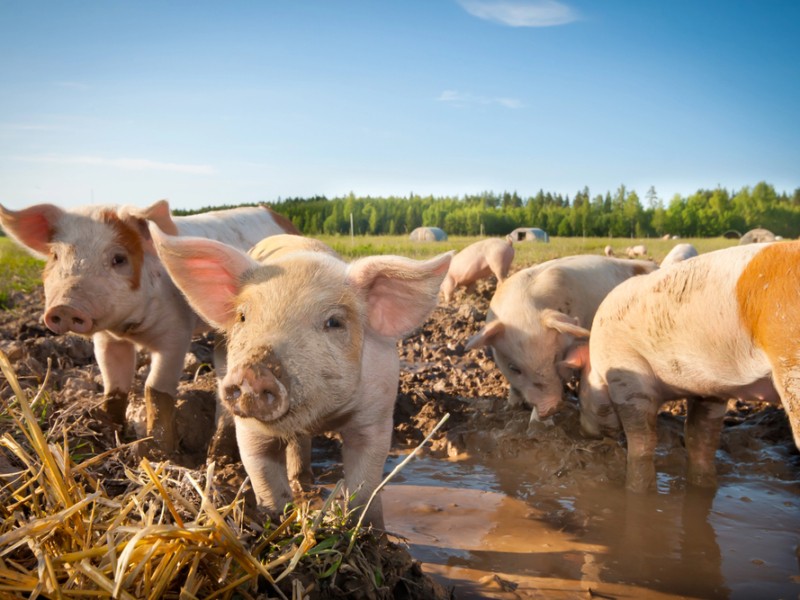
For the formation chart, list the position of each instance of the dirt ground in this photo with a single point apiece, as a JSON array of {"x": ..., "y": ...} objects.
[{"x": 437, "y": 377}]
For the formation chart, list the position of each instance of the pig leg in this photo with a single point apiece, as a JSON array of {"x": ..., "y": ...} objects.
[
  {"x": 160, "y": 391},
  {"x": 117, "y": 362},
  {"x": 223, "y": 446},
  {"x": 701, "y": 435},
  {"x": 786, "y": 378},
  {"x": 264, "y": 460},
  {"x": 364, "y": 452},
  {"x": 298, "y": 461},
  {"x": 638, "y": 411}
]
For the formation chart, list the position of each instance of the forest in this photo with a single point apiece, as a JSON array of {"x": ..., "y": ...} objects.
[{"x": 706, "y": 213}]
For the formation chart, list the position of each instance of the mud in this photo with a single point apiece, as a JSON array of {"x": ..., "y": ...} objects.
[{"x": 497, "y": 506}]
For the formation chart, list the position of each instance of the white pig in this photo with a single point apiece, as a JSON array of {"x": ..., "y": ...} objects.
[
  {"x": 635, "y": 251},
  {"x": 223, "y": 444},
  {"x": 311, "y": 348},
  {"x": 542, "y": 314},
  {"x": 104, "y": 279},
  {"x": 679, "y": 253},
  {"x": 725, "y": 324},
  {"x": 481, "y": 259}
]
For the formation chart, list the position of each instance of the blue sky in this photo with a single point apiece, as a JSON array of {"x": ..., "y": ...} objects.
[{"x": 209, "y": 103}]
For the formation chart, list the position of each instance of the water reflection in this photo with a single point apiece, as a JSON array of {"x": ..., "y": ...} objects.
[{"x": 580, "y": 536}]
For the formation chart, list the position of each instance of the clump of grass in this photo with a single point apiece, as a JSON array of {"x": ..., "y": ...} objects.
[
  {"x": 169, "y": 533},
  {"x": 22, "y": 272}
]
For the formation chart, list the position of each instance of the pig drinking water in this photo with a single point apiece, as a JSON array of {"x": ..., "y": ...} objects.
[
  {"x": 541, "y": 315},
  {"x": 725, "y": 324},
  {"x": 311, "y": 347},
  {"x": 103, "y": 279},
  {"x": 492, "y": 256}
]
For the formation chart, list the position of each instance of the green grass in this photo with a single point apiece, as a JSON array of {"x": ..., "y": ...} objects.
[
  {"x": 19, "y": 271},
  {"x": 527, "y": 253}
]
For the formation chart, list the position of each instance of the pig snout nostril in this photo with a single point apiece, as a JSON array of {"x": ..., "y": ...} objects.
[
  {"x": 56, "y": 319},
  {"x": 78, "y": 321},
  {"x": 233, "y": 393}
]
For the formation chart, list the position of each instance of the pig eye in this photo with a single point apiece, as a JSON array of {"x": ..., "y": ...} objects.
[
  {"x": 333, "y": 323},
  {"x": 240, "y": 317},
  {"x": 514, "y": 369},
  {"x": 119, "y": 260}
]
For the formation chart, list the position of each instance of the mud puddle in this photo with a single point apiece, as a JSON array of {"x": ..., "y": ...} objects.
[{"x": 460, "y": 521}]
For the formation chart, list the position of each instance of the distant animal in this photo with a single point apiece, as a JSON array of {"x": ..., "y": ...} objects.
[
  {"x": 608, "y": 251},
  {"x": 679, "y": 253},
  {"x": 311, "y": 347},
  {"x": 725, "y": 324},
  {"x": 636, "y": 251},
  {"x": 542, "y": 314},
  {"x": 104, "y": 279},
  {"x": 481, "y": 259}
]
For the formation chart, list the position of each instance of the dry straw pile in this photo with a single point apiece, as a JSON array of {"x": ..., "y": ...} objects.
[{"x": 165, "y": 531}]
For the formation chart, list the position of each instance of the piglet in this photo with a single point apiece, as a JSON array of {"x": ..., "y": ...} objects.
[
  {"x": 103, "y": 279},
  {"x": 311, "y": 348},
  {"x": 481, "y": 259},
  {"x": 725, "y": 324}
]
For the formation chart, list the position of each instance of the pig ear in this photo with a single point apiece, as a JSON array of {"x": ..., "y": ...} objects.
[
  {"x": 562, "y": 323},
  {"x": 209, "y": 273},
  {"x": 577, "y": 357},
  {"x": 32, "y": 227},
  {"x": 157, "y": 213},
  {"x": 401, "y": 292},
  {"x": 487, "y": 335}
]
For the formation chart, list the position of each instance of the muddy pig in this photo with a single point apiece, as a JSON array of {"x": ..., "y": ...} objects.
[
  {"x": 223, "y": 444},
  {"x": 104, "y": 279},
  {"x": 722, "y": 325},
  {"x": 679, "y": 252},
  {"x": 492, "y": 256},
  {"x": 311, "y": 348},
  {"x": 541, "y": 315}
]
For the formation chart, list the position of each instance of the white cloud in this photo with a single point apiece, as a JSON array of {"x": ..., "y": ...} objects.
[
  {"x": 128, "y": 164},
  {"x": 461, "y": 99},
  {"x": 532, "y": 13}
]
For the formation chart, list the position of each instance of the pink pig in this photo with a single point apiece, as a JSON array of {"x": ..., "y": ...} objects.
[
  {"x": 542, "y": 314},
  {"x": 311, "y": 348},
  {"x": 104, "y": 279},
  {"x": 725, "y": 324},
  {"x": 487, "y": 257}
]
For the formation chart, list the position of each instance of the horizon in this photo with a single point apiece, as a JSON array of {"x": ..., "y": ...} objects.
[{"x": 207, "y": 104}]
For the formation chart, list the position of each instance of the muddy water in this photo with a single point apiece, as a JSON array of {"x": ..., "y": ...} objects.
[{"x": 491, "y": 533}]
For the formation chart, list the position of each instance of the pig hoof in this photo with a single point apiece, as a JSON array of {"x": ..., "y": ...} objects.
[
  {"x": 160, "y": 420},
  {"x": 115, "y": 404}
]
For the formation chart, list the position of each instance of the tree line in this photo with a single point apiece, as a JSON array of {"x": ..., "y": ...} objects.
[{"x": 706, "y": 213}]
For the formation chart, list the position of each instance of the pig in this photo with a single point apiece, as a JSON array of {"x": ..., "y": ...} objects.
[
  {"x": 311, "y": 347},
  {"x": 103, "y": 279},
  {"x": 223, "y": 443},
  {"x": 608, "y": 250},
  {"x": 542, "y": 314},
  {"x": 679, "y": 253},
  {"x": 481, "y": 259},
  {"x": 725, "y": 324},
  {"x": 634, "y": 251}
]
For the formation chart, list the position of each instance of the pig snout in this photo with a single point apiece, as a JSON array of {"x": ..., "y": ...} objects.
[
  {"x": 255, "y": 392},
  {"x": 65, "y": 318}
]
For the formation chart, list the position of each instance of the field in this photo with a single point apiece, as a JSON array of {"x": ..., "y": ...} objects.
[{"x": 496, "y": 506}]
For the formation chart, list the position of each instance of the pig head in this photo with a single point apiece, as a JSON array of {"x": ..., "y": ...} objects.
[
  {"x": 311, "y": 348},
  {"x": 538, "y": 324}
]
